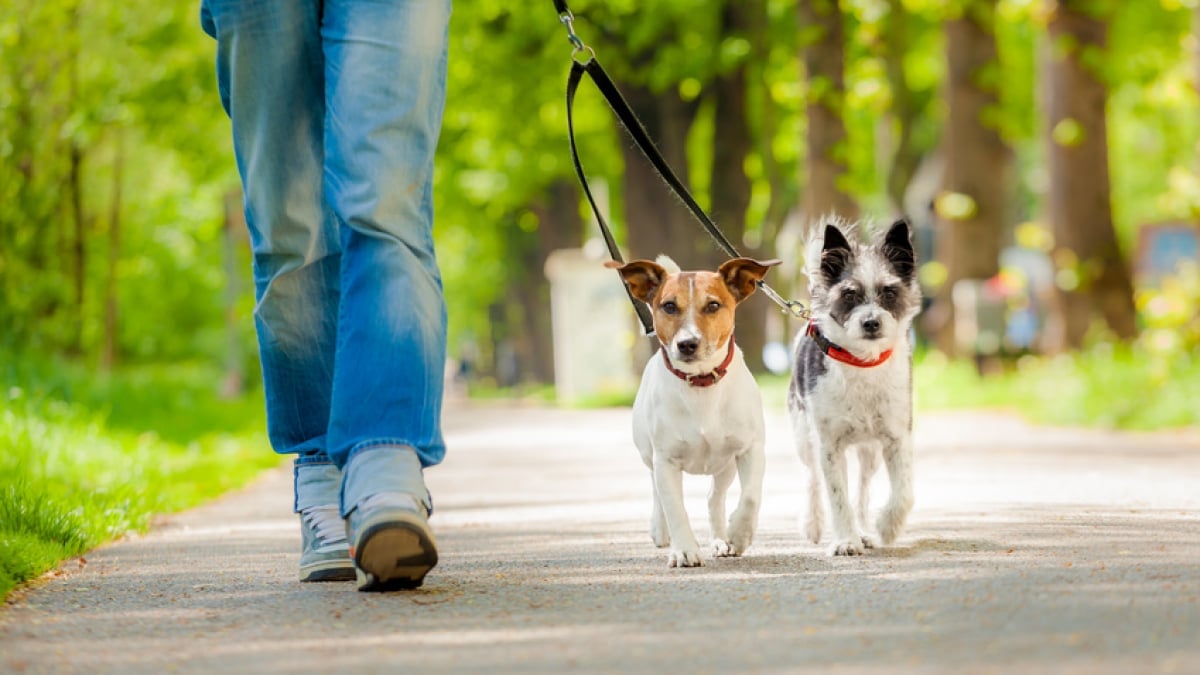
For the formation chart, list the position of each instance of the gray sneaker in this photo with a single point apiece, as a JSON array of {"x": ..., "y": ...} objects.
[
  {"x": 324, "y": 552},
  {"x": 391, "y": 543}
]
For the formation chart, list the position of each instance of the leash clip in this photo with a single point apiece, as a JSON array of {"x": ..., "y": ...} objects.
[
  {"x": 793, "y": 308},
  {"x": 568, "y": 19},
  {"x": 796, "y": 309}
]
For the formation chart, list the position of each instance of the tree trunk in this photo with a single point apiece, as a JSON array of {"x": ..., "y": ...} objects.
[
  {"x": 655, "y": 222},
  {"x": 783, "y": 188},
  {"x": 559, "y": 226},
  {"x": 971, "y": 208},
  {"x": 1093, "y": 276},
  {"x": 906, "y": 107},
  {"x": 78, "y": 255},
  {"x": 730, "y": 186},
  {"x": 821, "y": 24},
  {"x": 109, "y": 356}
]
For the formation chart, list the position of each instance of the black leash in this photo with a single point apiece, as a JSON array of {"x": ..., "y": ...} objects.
[{"x": 590, "y": 66}]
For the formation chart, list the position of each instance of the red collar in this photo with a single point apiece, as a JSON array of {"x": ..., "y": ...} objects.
[
  {"x": 705, "y": 380},
  {"x": 838, "y": 353}
]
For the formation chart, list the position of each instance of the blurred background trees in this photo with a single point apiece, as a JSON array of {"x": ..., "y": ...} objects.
[{"x": 1059, "y": 128}]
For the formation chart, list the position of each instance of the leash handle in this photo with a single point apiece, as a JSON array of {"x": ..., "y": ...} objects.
[{"x": 577, "y": 70}]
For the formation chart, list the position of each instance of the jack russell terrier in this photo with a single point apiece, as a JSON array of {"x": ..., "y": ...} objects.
[{"x": 698, "y": 408}]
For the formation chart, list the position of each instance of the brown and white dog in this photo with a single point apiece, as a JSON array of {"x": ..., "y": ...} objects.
[{"x": 698, "y": 408}]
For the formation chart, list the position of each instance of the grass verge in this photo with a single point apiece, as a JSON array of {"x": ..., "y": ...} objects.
[{"x": 85, "y": 458}]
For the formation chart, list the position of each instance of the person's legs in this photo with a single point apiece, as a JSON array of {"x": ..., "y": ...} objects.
[
  {"x": 385, "y": 68},
  {"x": 270, "y": 72}
]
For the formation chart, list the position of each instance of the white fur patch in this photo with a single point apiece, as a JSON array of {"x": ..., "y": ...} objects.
[{"x": 669, "y": 265}]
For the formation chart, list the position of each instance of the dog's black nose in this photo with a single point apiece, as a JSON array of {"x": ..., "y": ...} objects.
[
  {"x": 871, "y": 326},
  {"x": 688, "y": 347}
]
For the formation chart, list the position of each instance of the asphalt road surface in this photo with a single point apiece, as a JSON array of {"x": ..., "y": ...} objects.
[{"x": 1029, "y": 550}]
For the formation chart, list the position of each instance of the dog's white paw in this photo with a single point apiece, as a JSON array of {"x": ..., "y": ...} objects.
[
  {"x": 812, "y": 529},
  {"x": 889, "y": 525},
  {"x": 740, "y": 538},
  {"x": 684, "y": 558},
  {"x": 846, "y": 547},
  {"x": 660, "y": 538},
  {"x": 722, "y": 549}
]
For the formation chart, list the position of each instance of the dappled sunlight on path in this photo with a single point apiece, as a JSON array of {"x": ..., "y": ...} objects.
[{"x": 1029, "y": 550}]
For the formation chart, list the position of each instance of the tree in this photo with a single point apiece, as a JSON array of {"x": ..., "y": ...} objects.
[
  {"x": 972, "y": 210},
  {"x": 908, "y": 104},
  {"x": 732, "y": 144},
  {"x": 824, "y": 63},
  {"x": 1093, "y": 277},
  {"x": 558, "y": 226},
  {"x": 655, "y": 222}
]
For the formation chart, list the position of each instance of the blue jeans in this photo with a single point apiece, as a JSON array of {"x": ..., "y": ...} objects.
[{"x": 336, "y": 107}]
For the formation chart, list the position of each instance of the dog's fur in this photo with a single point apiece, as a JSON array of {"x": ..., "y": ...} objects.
[
  {"x": 714, "y": 429},
  {"x": 864, "y": 297}
]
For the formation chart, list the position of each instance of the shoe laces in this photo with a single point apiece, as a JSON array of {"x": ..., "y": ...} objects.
[{"x": 326, "y": 522}]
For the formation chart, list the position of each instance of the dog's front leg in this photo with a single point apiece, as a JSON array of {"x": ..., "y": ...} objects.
[
  {"x": 808, "y": 448},
  {"x": 868, "y": 462},
  {"x": 658, "y": 522},
  {"x": 833, "y": 464},
  {"x": 668, "y": 485},
  {"x": 716, "y": 511},
  {"x": 897, "y": 456},
  {"x": 744, "y": 521}
]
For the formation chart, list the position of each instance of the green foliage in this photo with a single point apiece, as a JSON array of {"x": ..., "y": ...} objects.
[
  {"x": 84, "y": 459},
  {"x": 125, "y": 88},
  {"x": 134, "y": 81},
  {"x": 1112, "y": 386}
]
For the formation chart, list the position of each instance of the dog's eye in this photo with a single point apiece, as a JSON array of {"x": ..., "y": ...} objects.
[
  {"x": 889, "y": 293},
  {"x": 670, "y": 307},
  {"x": 712, "y": 307},
  {"x": 850, "y": 295}
]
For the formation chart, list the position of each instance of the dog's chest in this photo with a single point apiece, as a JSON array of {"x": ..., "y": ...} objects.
[
  {"x": 702, "y": 449},
  {"x": 863, "y": 403},
  {"x": 702, "y": 431}
]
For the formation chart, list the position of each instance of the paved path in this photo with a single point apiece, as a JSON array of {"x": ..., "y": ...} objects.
[{"x": 1029, "y": 551}]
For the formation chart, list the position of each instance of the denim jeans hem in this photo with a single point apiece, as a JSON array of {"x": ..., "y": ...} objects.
[
  {"x": 370, "y": 469},
  {"x": 315, "y": 484},
  {"x": 378, "y": 443},
  {"x": 313, "y": 460}
]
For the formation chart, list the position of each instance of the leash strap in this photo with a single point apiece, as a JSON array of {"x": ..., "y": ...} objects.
[
  {"x": 591, "y": 67},
  {"x": 573, "y": 80}
]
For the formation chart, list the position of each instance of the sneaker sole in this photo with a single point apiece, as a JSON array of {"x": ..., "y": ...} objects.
[
  {"x": 396, "y": 554},
  {"x": 328, "y": 570}
]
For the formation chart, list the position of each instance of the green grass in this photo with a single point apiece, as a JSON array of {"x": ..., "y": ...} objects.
[
  {"x": 1107, "y": 386},
  {"x": 85, "y": 458}
]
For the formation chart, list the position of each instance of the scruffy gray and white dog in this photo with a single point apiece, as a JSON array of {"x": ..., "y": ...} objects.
[{"x": 851, "y": 388}]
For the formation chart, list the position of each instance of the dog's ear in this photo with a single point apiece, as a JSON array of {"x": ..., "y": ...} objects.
[
  {"x": 641, "y": 276},
  {"x": 741, "y": 274},
  {"x": 836, "y": 254},
  {"x": 898, "y": 249}
]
